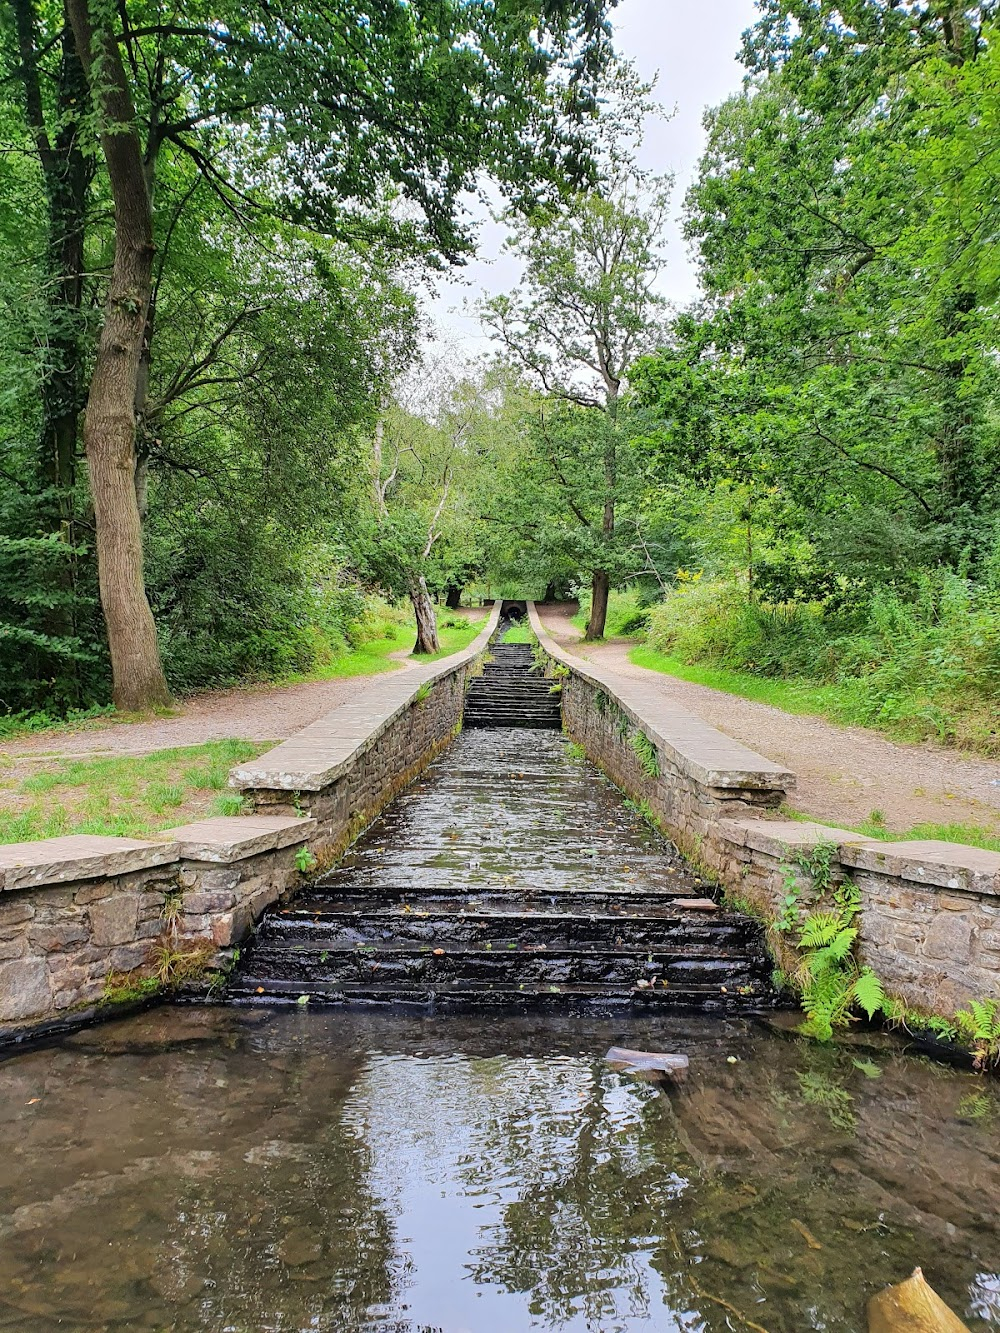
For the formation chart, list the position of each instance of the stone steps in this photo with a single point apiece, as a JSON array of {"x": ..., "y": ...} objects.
[
  {"x": 510, "y": 693},
  {"x": 510, "y": 876},
  {"x": 545, "y": 998}
]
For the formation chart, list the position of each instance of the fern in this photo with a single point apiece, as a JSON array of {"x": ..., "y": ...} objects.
[
  {"x": 819, "y": 930},
  {"x": 979, "y": 1025},
  {"x": 869, "y": 993}
]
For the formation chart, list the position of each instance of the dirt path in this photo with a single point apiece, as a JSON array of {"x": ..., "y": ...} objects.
[
  {"x": 843, "y": 772},
  {"x": 264, "y": 713}
]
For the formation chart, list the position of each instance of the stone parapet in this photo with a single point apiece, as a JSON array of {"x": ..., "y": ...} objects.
[
  {"x": 703, "y": 776},
  {"x": 318, "y": 755},
  {"x": 929, "y": 923},
  {"x": 82, "y": 917},
  {"x": 345, "y": 768}
]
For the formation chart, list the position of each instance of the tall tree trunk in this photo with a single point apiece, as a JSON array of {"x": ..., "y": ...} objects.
[
  {"x": 454, "y": 599},
  {"x": 423, "y": 610},
  {"x": 601, "y": 582},
  {"x": 109, "y": 427},
  {"x": 600, "y": 587}
]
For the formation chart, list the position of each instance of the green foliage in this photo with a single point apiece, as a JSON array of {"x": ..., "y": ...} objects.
[
  {"x": 979, "y": 1026},
  {"x": 305, "y": 861},
  {"x": 519, "y": 631},
  {"x": 646, "y": 753},
  {"x": 831, "y": 982},
  {"x": 925, "y": 666}
]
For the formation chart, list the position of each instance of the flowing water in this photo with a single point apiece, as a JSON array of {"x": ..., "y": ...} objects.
[{"x": 285, "y": 1169}]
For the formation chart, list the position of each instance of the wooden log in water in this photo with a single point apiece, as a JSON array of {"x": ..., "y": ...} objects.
[{"x": 912, "y": 1306}]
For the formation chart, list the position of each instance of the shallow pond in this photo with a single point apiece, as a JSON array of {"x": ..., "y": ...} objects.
[{"x": 245, "y": 1170}]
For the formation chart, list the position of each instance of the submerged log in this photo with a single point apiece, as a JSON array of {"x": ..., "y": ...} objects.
[
  {"x": 912, "y": 1306},
  {"x": 648, "y": 1062}
]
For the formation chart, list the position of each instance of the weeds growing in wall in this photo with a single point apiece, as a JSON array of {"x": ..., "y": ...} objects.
[
  {"x": 646, "y": 753},
  {"x": 833, "y": 984}
]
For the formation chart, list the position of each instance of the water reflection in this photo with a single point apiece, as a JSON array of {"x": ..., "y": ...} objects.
[{"x": 200, "y": 1169}]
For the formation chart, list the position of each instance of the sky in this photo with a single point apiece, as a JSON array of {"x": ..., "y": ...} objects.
[{"x": 691, "y": 48}]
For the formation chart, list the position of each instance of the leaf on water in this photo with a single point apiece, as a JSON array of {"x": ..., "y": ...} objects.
[{"x": 303, "y": 999}]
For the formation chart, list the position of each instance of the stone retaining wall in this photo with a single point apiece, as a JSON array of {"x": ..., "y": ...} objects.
[
  {"x": 86, "y": 922},
  {"x": 346, "y": 768},
  {"x": 930, "y": 911},
  {"x": 84, "y": 918},
  {"x": 703, "y": 775}
]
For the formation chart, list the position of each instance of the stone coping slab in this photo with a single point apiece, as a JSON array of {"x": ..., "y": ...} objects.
[
  {"x": 319, "y": 754},
  {"x": 698, "y": 750},
  {"x": 779, "y": 837},
  {"x": 28, "y": 865},
  {"x": 944, "y": 865},
  {"x": 228, "y": 838}
]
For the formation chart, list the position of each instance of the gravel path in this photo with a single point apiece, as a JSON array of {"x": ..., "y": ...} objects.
[
  {"x": 843, "y": 772},
  {"x": 258, "y": 713},
  {"x": 254, "y": 713}
]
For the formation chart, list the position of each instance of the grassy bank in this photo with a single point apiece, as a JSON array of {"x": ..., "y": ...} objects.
[
  {"x": 120, "y": 795},
  {"x": 967, "y": 835},
  {"x": 791, "y": 696}
]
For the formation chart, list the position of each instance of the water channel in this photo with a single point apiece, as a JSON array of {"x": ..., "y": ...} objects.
[
  {"x": 286, "y": 1169},
  {"x": 303, "y": 1165}
]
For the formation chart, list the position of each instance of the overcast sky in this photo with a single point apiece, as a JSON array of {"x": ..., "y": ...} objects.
[{"x": 691, "y": 47}]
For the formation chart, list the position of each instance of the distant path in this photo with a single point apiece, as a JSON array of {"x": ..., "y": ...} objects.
[
  {"x": 843, "y": 772},
  {"x": 249, "y": 713},
  {"x": 257, "y": 713}
]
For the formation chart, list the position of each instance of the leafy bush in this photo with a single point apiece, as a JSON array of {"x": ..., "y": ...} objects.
[{"x": 924, "y": 665}]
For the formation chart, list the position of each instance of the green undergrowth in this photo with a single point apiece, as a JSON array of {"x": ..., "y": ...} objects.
[
  {"x": 874, "y": 827},
  {"x": 519, "y": 632},
  {"x": 627, "y": 617},
  {"x": 916, "y": 667},
  {"x": 120, "y": 795},
  {"x": 835, "y": 988},
  {"x": 791, "y": 696}
]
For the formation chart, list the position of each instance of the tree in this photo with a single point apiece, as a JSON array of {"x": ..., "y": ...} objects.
[
  {"x": 421, "y": 467},
  {"x": 325, "y": 116},
  {"x": 589, "y": 308}
]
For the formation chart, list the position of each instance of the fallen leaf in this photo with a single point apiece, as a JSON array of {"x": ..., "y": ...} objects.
[{"x": 33, "y": 1100}]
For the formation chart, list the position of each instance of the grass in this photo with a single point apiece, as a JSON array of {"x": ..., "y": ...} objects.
[
  {"x": 519, "y": 632},
  {"x": 803, "y": 697},
  {"x": 966, "y": 835},
  {"x": 121, "y": 795},
  {"x": 454, "y": 634}
]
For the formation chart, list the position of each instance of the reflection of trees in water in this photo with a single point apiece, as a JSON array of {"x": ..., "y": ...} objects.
[
  {"x": 560, "y": 1157},
  {"x": 284, "y": 1229},
  {"x": 750, "y": 1191},
  {"x": 252, "y": 1182}
]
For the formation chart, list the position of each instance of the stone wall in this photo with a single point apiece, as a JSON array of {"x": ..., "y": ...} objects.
[
  {"x": 703, "y": 776},
  {"x": 929, "y": 924},
  {"x": 86, "y": 922},
  {"x": 344, "y": 769},
  {"x": 85, "y": 918}
]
